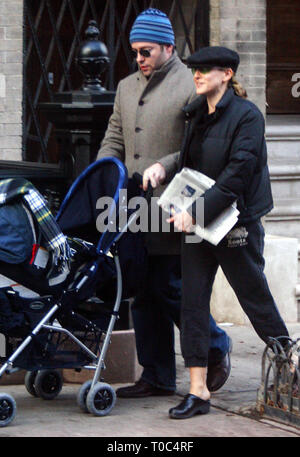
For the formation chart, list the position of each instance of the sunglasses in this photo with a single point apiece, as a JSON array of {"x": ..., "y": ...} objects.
[
  {"x": 205, "y": 70},
  {"x": 142, "y": 52}
]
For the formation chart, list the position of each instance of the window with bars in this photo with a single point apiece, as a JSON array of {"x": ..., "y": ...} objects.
[{"x": 53, "y": 30}]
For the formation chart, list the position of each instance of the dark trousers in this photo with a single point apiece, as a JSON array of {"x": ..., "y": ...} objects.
[
  {"x": 241, "y": 259},
  {"x": 155, "y": 310}
]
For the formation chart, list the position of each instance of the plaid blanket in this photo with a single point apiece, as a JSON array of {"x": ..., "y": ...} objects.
[{"x": 56, "y": 242}]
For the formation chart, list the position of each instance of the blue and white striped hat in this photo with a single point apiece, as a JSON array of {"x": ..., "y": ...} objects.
[{"x": 152, "y": 26}]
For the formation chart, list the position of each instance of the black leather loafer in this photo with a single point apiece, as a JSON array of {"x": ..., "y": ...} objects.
[
  {"x": 190, "y": 406},
  {"x": 218, "y": 372},
  {"x": 142, "y": 389}
]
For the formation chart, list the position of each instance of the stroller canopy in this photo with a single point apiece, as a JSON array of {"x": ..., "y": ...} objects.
[{"x": 78, "y": 213}]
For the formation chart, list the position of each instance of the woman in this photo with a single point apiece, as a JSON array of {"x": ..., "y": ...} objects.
[{"x": 225, "y": 141}]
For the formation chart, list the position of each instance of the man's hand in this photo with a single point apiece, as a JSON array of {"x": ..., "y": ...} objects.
[
  {"x": 183, "y": 221},
  {"x": 156, "y": 174}
]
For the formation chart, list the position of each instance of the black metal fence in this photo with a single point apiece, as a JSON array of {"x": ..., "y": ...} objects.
[{"x": 53, "y": 30}]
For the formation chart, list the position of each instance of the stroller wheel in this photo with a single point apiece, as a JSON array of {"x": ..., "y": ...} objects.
[
  {"x": 8, "y": 409},
  {"x": 82, "y": 394},
  {"x": 29, "y": 382},
  {"x": 101, "y": 399},
  {"x": 48, "y": 384}
]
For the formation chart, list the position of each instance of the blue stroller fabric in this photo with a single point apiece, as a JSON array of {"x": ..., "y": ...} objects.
[
  {"x": 10, "y": 320},
  {"x": 16, "y": 234},
  {"x": 14, "y": 189}
]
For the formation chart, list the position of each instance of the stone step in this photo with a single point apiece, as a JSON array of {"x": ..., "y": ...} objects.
[
  {"x": 299, "y": 262},
  {"x": 298, "y": 299},
  {"x": 281, "y": 256},
  {"x": 298, "y": 285},
  {"x": 283, "y": 138},
  {"x": 285, "y": 180},
  {"x": 283, "y": 144}
]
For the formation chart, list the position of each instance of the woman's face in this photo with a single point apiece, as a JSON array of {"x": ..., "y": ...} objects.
[{"x": 211, "y": 81}]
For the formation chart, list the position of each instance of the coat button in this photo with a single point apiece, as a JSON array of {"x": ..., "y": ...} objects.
[
  {"x": 138, "y": 129},
  {"x": 136, "y": 156},
  {"x": 141, "y": 102}
]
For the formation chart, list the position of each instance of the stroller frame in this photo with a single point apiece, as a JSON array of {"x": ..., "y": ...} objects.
[
  {"x": 7, "y": 366},
  {"x": 94, "y": 396}
]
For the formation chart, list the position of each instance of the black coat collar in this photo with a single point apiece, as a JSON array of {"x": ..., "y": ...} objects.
[{"x": 200, "y": 104}]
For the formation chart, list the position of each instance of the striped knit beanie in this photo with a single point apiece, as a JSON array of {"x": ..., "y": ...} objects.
[{"x": 152, "y": 26}]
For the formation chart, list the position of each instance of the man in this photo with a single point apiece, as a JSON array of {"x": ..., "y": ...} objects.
[{"x": 147, "y": 123}]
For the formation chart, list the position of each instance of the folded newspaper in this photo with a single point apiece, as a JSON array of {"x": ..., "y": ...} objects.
[{"x": 185, "y": 188}]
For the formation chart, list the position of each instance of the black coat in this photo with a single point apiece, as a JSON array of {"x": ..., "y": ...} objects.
[{"x": 233, "y": 153}]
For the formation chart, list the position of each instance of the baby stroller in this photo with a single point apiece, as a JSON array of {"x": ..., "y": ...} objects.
[{"x": 53, "y": 270}]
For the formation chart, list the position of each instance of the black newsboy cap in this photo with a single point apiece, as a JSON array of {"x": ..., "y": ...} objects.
[{"x": 214, "y": 56}]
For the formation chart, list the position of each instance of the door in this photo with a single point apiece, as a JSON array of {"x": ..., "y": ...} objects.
[{"x": 283, "y": 56}]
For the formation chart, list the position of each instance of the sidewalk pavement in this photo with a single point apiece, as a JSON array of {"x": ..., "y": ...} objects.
[{"x": 230, "y": 416}]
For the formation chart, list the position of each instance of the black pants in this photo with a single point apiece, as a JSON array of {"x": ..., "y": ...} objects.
[
  {"x": 240, "y": 255},
  {"x": 155, "y": 311}
]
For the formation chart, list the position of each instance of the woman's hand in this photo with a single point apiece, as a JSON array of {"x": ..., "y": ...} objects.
[
  {"x": 156, "y": 174},
  {"x": 183, "y": 221}
]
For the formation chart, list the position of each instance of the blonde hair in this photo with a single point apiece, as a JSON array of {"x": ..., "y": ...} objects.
[{"x": 238, "y": 88}]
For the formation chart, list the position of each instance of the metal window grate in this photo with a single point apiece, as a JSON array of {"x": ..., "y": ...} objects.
[{"x": 53, "y": 29}]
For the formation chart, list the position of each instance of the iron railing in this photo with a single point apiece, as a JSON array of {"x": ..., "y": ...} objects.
[{"x": 279, "y": 394}]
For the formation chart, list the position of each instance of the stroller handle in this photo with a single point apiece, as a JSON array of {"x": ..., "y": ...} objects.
[{"x": 138, "y": 178}]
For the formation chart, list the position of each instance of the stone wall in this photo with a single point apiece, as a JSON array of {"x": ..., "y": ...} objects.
[
  {"x": 241, "y": 25},
  {"x": 11, "y": 66}
]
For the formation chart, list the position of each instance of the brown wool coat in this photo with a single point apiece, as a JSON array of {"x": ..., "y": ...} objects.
[{"x": 147, "y": 124}]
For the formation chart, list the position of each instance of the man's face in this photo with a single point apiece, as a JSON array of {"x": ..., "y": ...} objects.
[{"x": 157, "y": 55}]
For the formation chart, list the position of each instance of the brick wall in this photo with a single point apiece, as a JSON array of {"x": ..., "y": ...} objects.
[
  {"x": 241, "y": 25},
  {"x": 11, "y": 56}
]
